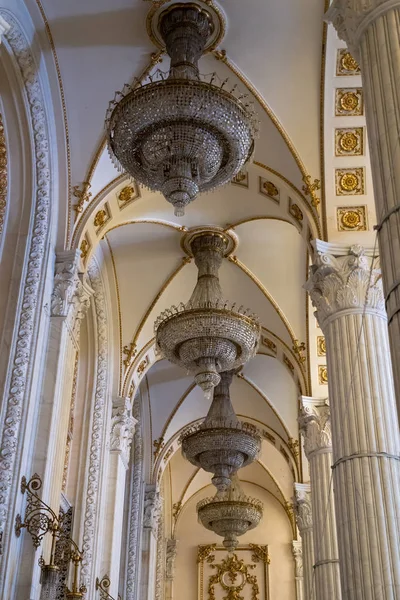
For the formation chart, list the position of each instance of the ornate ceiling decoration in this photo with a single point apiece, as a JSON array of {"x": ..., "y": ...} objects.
[
  {"x": 181, "y": 133},
  {"x": 207, "y": 335},
  {"x": 221, "y": 444}
]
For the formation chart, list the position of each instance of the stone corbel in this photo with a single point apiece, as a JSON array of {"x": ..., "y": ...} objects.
[
  {"x": 122, "y": 428},
  {"x": 152, "y": 507},
  {"x": 4, "y": 27}
]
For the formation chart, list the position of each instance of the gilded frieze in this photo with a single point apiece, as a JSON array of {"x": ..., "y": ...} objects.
[
  {"x": 242, "y": 179},
  {"x": 268, "y": 188},
  {"x": 322, "y": 374},
  {"x": 346, "y": 63},
  {"x": 349, "y": 182},
  {"x": 321, "y": 345},
  {"x": 351, "y": 218},
  {"x": 349, "y": 141},
  {"x": 349, "y": 102}
]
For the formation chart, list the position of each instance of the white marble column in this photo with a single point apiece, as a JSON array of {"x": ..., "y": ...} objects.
[
  {"x": 348, "y": 296},
  {"x": 121, "y": 435},
  {"x": 371, "y": 29},
  {"x": 170, "y": 557},
  {"x": 303, "y": 512},
  {"x": 315, "y": 424},
  {"x": 297, "y": 550},
  {"x": 151, "y": 516}
]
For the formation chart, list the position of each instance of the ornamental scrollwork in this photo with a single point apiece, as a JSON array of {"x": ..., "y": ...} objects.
[
  {"x": 122, "y": 429},
  {"x": 233, "y": 575}
]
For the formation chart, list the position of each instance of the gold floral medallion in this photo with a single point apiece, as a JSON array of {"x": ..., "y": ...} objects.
[
  {"x": 352, "y": 218},
  {"x": 322, "y": 374},
  {"x": 100, "y": 218},
  {"x": 349, "y": 102},
  {"x": 270, "y": 188},
  {"x": 349, "y": 182},
  {"x": 346, "y": 63}
]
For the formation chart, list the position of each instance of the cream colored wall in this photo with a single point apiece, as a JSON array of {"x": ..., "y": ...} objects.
[{"x": 274, "y": 530}]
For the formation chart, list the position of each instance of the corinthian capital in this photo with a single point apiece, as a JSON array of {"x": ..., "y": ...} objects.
[
  {"x": 343, "y": 278},
  {"x": 302, "y": 506},
  {"x": 315, "y": 423},
  {"x": 122, "y": 428},
  {"x": 351, "y": 18}
]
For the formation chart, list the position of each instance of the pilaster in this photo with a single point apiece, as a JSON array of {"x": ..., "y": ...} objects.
[
  {"x": 345, "y": 287},
  {"x": 304, "y": 520},
  {"x": 315, "y": 424},
  {"x": 151, "y": 515},
  {"x": 170, "y": 557}
]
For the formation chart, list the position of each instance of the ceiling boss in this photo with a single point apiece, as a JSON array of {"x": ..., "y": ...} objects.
[{"x": 182, "y": 133}]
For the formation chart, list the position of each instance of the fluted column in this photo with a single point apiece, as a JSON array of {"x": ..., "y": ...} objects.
[
  {"x": 315, "y": 425},
  {"x": 297, "y": 550},
  {"x": 348, "y": 296},
  {"x": 371, "y": 29},
  {"x": 303, "y": 512}
]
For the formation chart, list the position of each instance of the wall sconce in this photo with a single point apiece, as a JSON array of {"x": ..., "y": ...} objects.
[{"x": 103, "y": 585}]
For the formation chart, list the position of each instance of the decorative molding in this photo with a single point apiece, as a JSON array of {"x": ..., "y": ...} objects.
[
  {"x": 302, "y": 506},
  {"x": 152, "y": 507},
  {"x": 297, "y": 551},
  {"x": 122, "y": 428},
  {"x": 322, "y": 375},
  {"x": 349, "y": 102},
  {"x": 3, "y": 168},
  {"x": 136, "y": 496},
  {"x": 315, "y": 424},
  {"x": 351, "y": 18},
  {"x": 269, "y": 189},
  {"x": 241, "y": 178},
  {"x": 98, "y": 418},
  {"x": 349, "y": 141},
  {"x": 170, "y": 556},
  {"x": 26, "y": 319},
  {"x": 346, "y": 64},
  {"x": 349, "y": 182},
  {"x": 160, "y": 559},
  {"x": 321, "y": 345},
  {"x": 351, "y": 218},
  {"x": 70, "y": 432},
  {"x": 128, "y": 194},
  {"x": 344, "y": 282}
]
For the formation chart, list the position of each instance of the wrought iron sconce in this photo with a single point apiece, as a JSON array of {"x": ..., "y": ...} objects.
[
  {"x": 39, "y": 520},
  {"x": 103, "y": 586}
]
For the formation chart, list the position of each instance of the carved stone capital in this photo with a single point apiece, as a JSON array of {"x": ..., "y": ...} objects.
[
  {"x": 297, "y": 550},
  {"x": 71, "y": 293},
  {"x": 351, "y": 18},
  {"x": 170, "y": 556},
  {"x": 341, "y": 279},
  {"x": 122, "y": 428},
  {"x": 315, "y": 423},
  {"x": 4, "y": 27},
  {"x": 152, "y": 507},
  {"x": 302, "y": 506}
]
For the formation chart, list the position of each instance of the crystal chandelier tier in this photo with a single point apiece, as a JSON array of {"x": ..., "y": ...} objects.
[
  {"x": 181, "y": 134},
  {"x": 221, "y": 444},
  {"x": 230, "y": 514},
  {"x": 207, "y": 335}
]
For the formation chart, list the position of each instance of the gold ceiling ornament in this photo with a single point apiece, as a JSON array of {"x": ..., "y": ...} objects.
[
  {"x": 351, "y": 218},
  {"x": 130, "y": 353},
  {"x": 83, "y": 195},
  {"x": 102, "y": 217},
  {"x": 205, "y": 553},
  {"x": 158, "y": 445},
  {"x": 84, "y": 248},
  {"x": 230, "y": 514},
  {"x": 207, "y": 335},
  {"x": 323, "y": 374},
  {"x": 296, "y": 211},
  {"x": 3, "y": 174},
  {"x": 269, "y": 344},
  {"x": 268, "y": 188},
  {"x": 299, "y": 348},
  {"x": 349, "y": 182},
  {"x": 241, "y": 178},
  {"x": 233, "y": 575},
  {"x": 268, "y": 436},
  {"x": 310, "y": 189},
  {"x": 127, "y": 195},
  {"x": 349, "y": 102},
  {"x": 288, "y": 363},
  {"x": 142, "y": 366},
  {"x": 321, "y": 345},
  {"x": 346, "y": 64},
  {"x": 221, "y": 444},
  {"x": 349, "y": 141},
  {"x": 260, "y": 553}
]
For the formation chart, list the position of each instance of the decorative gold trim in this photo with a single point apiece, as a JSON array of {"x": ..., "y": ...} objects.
[
  {"x": 269, "y": 189},
  {"x": 65, "y": 118},
  {"x": 322, "y": 374},
  {"x": 296, "y": 212},
  {"x": 102, "y": 217},
  {"x": 85, "y": 248},
  {"x": 321, "y": 345},
  {"x": 118, "y": 310},
  {"x": 241, "y": 179},
  {"x": 349, "y": 141},
  {"x": 3, "y": 175},
  {"x": 349, "y": 182},
  {"x": 346, "y": 65},
  {"x": 349, "y": 102},
  {"x": 127, "y": 195},
  {"x": 351, "y": 218},
  {"x": 310, "y": 189}
]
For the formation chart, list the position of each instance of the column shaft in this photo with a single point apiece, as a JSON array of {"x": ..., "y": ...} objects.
[{"x": 303, "y": 512}]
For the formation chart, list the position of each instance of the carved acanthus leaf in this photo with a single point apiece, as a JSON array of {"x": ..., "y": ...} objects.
[
  {"x": 152, "y": 507},
  {"x": 344, "y": 282},
  {"x": 122, "y": 428},
  {"x": 315, "y": 423},
  {"x": 302, "y": 506}
]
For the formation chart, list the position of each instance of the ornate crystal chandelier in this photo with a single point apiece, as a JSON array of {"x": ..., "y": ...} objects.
[
  {"x": 221, "y": 444},
  {"x": 181, "y": 134},
  {"x": 230, "y": 514},
  {"x": 207, "y": 335}
]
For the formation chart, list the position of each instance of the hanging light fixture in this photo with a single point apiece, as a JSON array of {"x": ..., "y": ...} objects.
[
  {"x": 206, "y": 335},
  {"x": 230, "y": 514},
  {"x": 221, "y": 444},
  {"x": 180, "y": 133}
]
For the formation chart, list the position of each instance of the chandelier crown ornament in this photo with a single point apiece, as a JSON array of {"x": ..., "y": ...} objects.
[
  {"x": 180, "y": 133},
  {"x": 230, "y": 514},
  {"x": 207, "y": 336},
  {"x": 221, "y": 444}
]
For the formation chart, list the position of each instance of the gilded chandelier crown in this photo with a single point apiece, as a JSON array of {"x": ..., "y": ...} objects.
[
  {"x": 206, "y": 335},
  {"x": 221, "y": 444},
  {"x": 181, "y": 134}
]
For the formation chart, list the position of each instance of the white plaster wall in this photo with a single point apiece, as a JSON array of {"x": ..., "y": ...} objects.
[{"x": 274, "y": 530}]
